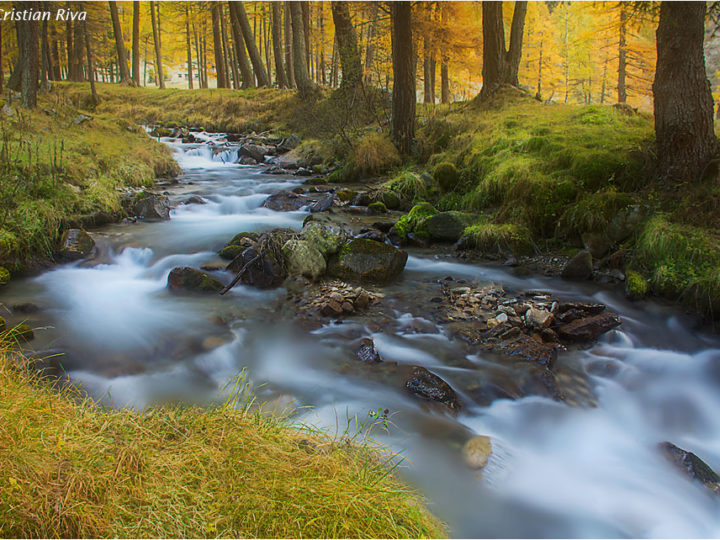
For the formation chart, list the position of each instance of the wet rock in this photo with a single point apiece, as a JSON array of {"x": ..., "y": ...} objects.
[
  {"x": 367, "y": 260},
  {"x": 323, "y": 204},
  {"x": 367, "y": 352},
  {"x": 184, "y": 278},
  {"x": 444, "y": 227},
  {"x": 264, "y": 272},
  {"x": 376, "y": 208},
  {"x": 568, "y": 312},
  {"x": 76, "y": 244},
  {"x": 363, "y": 199},
  {"x": 527, "y": 349},
  {"x": 213, "y": 342},
  {"x": 230, "y": 252},
  {"x": 243, "y": 239},
  {"x": 289, "y": 143},
  {"x": 304, "y": 259},
  {"x": 691, "y": 465},
  {"x": 476, "y": 452},
  {"x": 195, "y": 199},
  {"x": 25, "y": 307},
  {"x": 22, "y": 332},
  {"x": 150, "y": 207},
  {"x": 326, "y": 239},
  {"x": 539, "y": 319},
  {"x": 588, "y": 329},
  {"x": 598, "y": 244},
  {"x": 254, "y": 151},
  {"x": 290, "y": 160},
  {"x": 429, "y": 386},
  {"x": 286, "y": 201},
  {"x": 579, "y": 268},
  {"x": 213, "y": 267}
]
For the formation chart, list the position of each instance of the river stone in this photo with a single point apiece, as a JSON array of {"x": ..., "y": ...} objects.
[
  {"x": 76, "y": 244},
  {"x": 304, "y": 259},
  {"x": 367, "y": 352},
  {"x": 184, "y": 278},
  {"x": 290, "y": 160},
  {"x": 323, "y": 204},
  {"x": 588, "y": 329},
  {"x": 22, "y": 332},
  {"x": 254, "y": 151},
  {"x": 691, "y": 465},
  {"x": 527, "y": 349},
  {"x": 241, "y": 239},
  {"x": 264, "y": 272},
  {"x": 476, "y": 452},
  {"x": 286, "y": 201},
  {"x": 444, "y": 227},
  {"x": 324, "y": 238},
  {"x": 429, "y": 386},
  {"x": 151, "y": 207},
  {"x": 538, "y": 319},
  {"x": 230, "y": 252},
  {"x": 368, "y": 260},
  {"x": 580, "y": 267}
]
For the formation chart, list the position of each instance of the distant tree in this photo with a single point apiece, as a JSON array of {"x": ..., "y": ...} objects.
[
  {"x": 155, "y": 22},
  {"x": 289, "y": 60},
  {"x": 188, "y": 47},
  {"x": 306, "y": 87},
  {"x": 222, "y": 79},
  {"x": 135, "y": 43},
  {"x": 684, "y": 130},
  {"x": 255, "y": 58},
  {"x": 28, "y": 61},
  {"x": 501, "y": 66},
  {"x": 352, "y": 72},
  {"x": 278, "y": 44},
  {"x": 119, "y": 44},
  {"x": 246, "y": 74},
  {"x": 91, "y": 71},
  {"x": 403, "y": 62}
]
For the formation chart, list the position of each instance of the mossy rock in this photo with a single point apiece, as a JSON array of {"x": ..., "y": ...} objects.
[
  {"x": 4, "y": 275},
  {"x": 447, "y": 176},
  {"x": 324, "y": 238},
  {"x": 421, "y": 211},
  {"x": 189, "y": 279},
  {"x": 444, "y": 226},
  {"x": 636, "y": 286},
  {"x": 304, "y": 259},
  {"x": 230, "y": 252},
  {"x": 238, "y": 239},
  {"x": 22, "y": 332},
  {"x": 378, "y": 207},
  {"x": 346, "y": 195},
  {"x": 3, "y": 324},
  {"x": 390, "y": 199},
  {"x": 369, "y": 261}
]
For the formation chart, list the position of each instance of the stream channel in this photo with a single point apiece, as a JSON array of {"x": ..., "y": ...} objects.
[{"x": 556, "y": 470}]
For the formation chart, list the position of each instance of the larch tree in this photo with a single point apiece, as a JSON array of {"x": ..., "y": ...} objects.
[
  {"x": 246, "y": 74},
  {"x": 158, "y": 46},
  {"x": 91, "y": 71},
  {"x": 188, "y": 47},
  {"x": 305, "y": 86},
  {"x": 622, "y": 55},
  {"x": 135, "y": 43},
  {"x": 403, "y": 63},
  {"x": 277, "y": 43},
  {"x": 255, "y": 58},
  {"x": 119, "y": 44},
  {"x": 289, "y": 60},
  {"x": 352, "y": 72},
  {"x": 370, "y": 49},
  {"x": 684, "y": 130},
  {"x": 501, "y": 66},
  {"x": 222, "y": 80}
]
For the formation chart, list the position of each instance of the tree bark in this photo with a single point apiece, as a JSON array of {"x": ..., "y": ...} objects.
[
  {"x": 427, "y": 77},
  {"x": 289, "y": 64},
  {"x": 306, "y": 88},
  {"x": 217, "y": 45},
  {"x": 189, "y": 48},
  {"x": 230, "y": 65},
  {"x": 252, "y": 49},
  {"x": 2, "y": 73},
  {"x": 514, "y": 54},
  {"x": 248, "y": 79},
  {"x": 28, "y": 62},
  {"x": 403, "y": 92},
  {"x": 45, "y": 66},
  {"x": 91, "y": 71},
  {"x": 158, "y": 50},
  {"x": 277, "y": 44},
  {"x": 135, "y": 43},
  {"x": 352, "y": 74},
  {"x": 71, "y": 64},
  {"x": 119, "y": 44},
  {"x": 306, "y": 30},
  {"x": 370, "y": 49},
  {"x": 622, "y": 56},
  {"x": 55, "y": 53},
  {"x": 493, "y": 48},
  {"x": 684, "y": 131}
]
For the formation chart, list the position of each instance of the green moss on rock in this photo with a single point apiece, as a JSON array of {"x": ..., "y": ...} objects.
[
  {"x": 636, "y": 286},
  {"x": 378, "y": 207},
  {"x": 447, "y": 176},
  {"x": 4, "y": 275},
  {"x": 492, "y": 238},
  {"x": 22, "y": 332},
  {"x": 230, "y": 252}
]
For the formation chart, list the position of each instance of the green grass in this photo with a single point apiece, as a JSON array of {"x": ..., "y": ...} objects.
[
  {"x": 55, "y": 173},
  {"x": 491, "y": 238},
  {"x": 71, "y": 469}
]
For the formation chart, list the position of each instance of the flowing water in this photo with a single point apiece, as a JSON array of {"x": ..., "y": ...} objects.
[{"x": 556, "y": 470}]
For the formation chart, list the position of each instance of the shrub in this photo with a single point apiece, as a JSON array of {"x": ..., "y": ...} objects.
[
  {"x": 409, "y": 185},
  {"x": 447, "y": 176},
  {"x": 374, "y": 154}
]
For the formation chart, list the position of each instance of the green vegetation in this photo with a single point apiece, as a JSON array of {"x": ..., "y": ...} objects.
[
  {"x": 71, "y": 469},
  {"x": 58, "y": 169},
  {"x": 498, "y": 239},
  {"x": 408, "y": 223},
  {"x": 446, "y": 175}
]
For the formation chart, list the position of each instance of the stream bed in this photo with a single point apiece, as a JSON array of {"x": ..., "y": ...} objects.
[{"x": 556, "y": 470}]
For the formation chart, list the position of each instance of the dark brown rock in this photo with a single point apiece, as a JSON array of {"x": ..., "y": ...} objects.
[
  {"x": 263, "y": 271},
  {"x": 427, "y": 385},
  {"x": 367, "y": 352},
  {"x": 76, "y": 244},
  {"x": 589, "y": 328},
  {"x": 184, "y": 278},
  {"x": 579, "y": 268},
  {"x": 691, "y": 465},
  {"x": 286, "y": 201}
]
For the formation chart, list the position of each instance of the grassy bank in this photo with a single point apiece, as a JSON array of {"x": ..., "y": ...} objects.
[
  {"x": 58, "y": 168},
  {"x": 71, "y": 469}
]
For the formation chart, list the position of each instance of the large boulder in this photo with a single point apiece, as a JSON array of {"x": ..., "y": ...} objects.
[
  {"x": 580, "y": 267},
  {"x": 368, "y": 260},
  {"x": 184, "y": 278},
  {"x": 324, "y": 238},
  {"x": 429, "y": 386},
  {"x": 76, "y": 244},
  {"x": 444, "y": 226},
  {"x": 588, "y": 329},
  {"x": 254, "y": 151},
  {"x": 286, "y": 201},
  {"x": 304, "y": 259},
  {"x": 262, "y": 271},
  {"x": 150, "y": 207},
  {"x": 477, "y": 451},
  {"x": 691, "y": 465},
  {"x": 290, "y": 160}
]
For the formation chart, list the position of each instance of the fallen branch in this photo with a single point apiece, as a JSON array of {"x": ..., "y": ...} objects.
[{"x": 239, "y": 275}]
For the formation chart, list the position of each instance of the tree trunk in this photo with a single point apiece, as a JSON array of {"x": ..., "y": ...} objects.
[
  {"x": 289, "y": 64},
  {"x": 198, "y": 55},
  {"x": 55, "y": 53},
  {"x": 370, "y": 49},
  {"x": 44, "y": 56},
  {"x": 158, "y": 51},
  {"x": 217, "y": 45},
  {"x": 352, "y": 74},
  {"x": 493, "y": 48},
  {"x": 427, "y": 92},
  {"x": 136, "y": 43},
  {"x": 306, "y": 88},
  {"x": 189, "y": 48},
  {"x": 514, "y": 54},
  {"x": 622, "y": 56},
  {"x": 119, "y": 44},
  {"x": 252, "y": 49},
  {"x": 538, "y": 95},
  {"x": 683, "y": 100},
  {"x": 71, "y": 76},
  {"x": 203, "y": 48},
  {"x": 230, "y": 65},
  {"x": 306, "y": 30},
  {"x": 277, "y": 44},
  {"x": 78, "y": 49},
  {"x": 91, "y": 71},
  {"x": 248, "y": 79},
  {"x": 444, "y": 83},
  {"x": 29, "y": 61},
  {"x": 321, "y": 47},
  {"x": 403, "y": 92},
  {"x": 2, "y": 73}
]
